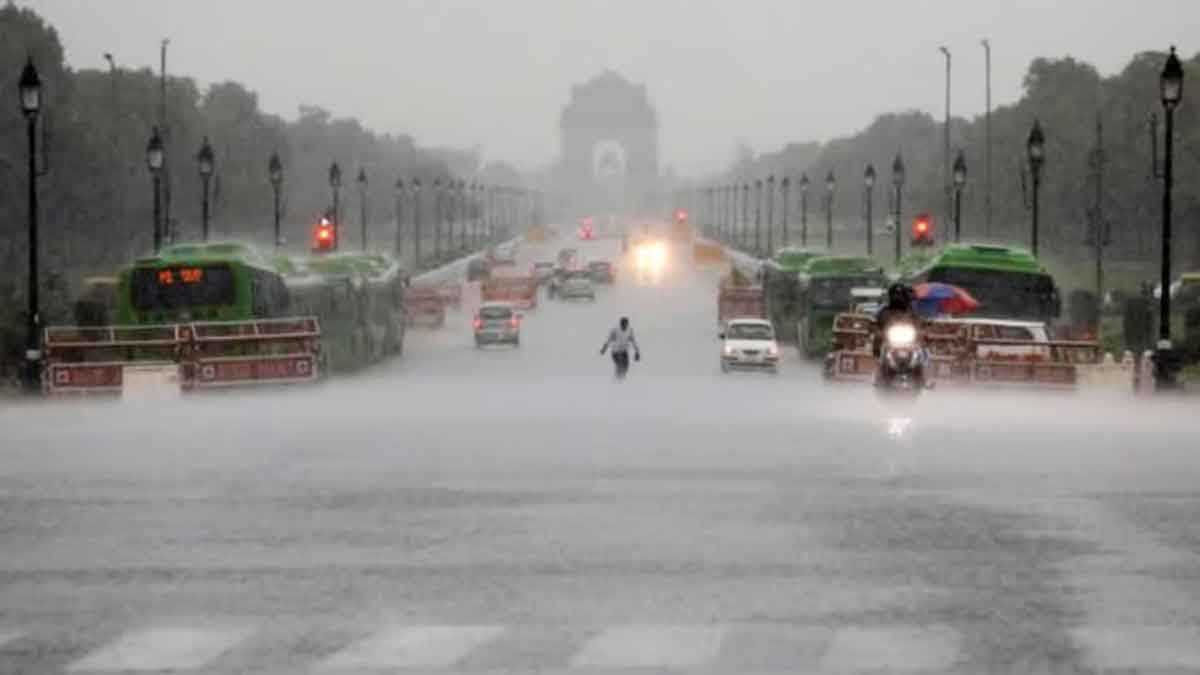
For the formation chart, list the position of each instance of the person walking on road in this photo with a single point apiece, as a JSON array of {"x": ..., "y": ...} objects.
[{"x": 620, "y": 339}]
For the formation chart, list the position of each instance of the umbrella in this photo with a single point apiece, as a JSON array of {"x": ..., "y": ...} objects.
[{"x": 937, "y": 298}]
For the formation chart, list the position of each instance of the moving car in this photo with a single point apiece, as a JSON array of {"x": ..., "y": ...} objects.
[
  {"x": 567, "y": 257},
  {"x": 542, "y": 270},
  {"x": 601, "y": 271},
  {"x": 577, "y": 285},
  {"x": 749, "y": 344},
  {"x": 497, "y": 323}
]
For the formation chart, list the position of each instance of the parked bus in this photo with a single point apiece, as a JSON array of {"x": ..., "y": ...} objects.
[
  {"x": 1009, "y": 282},
  {"x": 823, "y": 290}
]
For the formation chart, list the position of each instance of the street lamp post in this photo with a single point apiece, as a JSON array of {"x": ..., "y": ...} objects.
[
  {"x": 154, "y": 162},
  {"x": 898, "y": 186},
  {"x": 758, "y": 198},
  {"x": 335, "y": 184},
  {"x": 1170, "y": 83},
  {"x": 987, "y": 133},
  {"x": 830, "y": 184},
  {"x": 960, "y": 179},
  {"x": 784, "y": 185},
  {"x": 745, "y": 212},
  {"x": 869, "y": 189},
  {"x": 804, "y": 210},
  {"x": 275, "y": 171},
  {"x": 1036, "y": 147},
  {"x": 362, "y": 203},
  {"x": 30, "y": 91},
  {"x": 205, "y": 159},
  {"x": 399, "y": 249},
  {"x": 416, "y": 189},
  {"x": 462, "y": 213},
  {"x": 946, "y": 135},
  {"x": 437, "y": 218},
  {"x": 770, "y": 216}
]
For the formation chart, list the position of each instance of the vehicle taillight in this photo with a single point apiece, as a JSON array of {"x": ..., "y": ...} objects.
[
  {"x": 478, "y": 323},
  {"x": 513, "y": 321}
]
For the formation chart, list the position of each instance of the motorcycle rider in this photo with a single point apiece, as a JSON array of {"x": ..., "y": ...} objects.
[
  {"x": 620, "y": 339},
  {"x": 899, "y": 309}
]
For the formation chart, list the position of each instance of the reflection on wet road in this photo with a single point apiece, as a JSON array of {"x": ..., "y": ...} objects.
[{"x": 519, "y": 510}]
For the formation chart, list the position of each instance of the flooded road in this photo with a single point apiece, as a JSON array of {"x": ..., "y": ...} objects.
[{"x": 519, "y": 510}]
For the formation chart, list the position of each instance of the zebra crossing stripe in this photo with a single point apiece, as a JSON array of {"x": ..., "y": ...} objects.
[
  {"x": 413, "y": 647},
  {"x": 1138, "y": 647},
  {"x": 174, "y": 648},
  {"x": 651, "y": 647},
  {"x": 893, "y": 649}
]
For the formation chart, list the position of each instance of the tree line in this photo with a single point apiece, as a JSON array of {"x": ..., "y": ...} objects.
[{"x": 1076, "y": 106}]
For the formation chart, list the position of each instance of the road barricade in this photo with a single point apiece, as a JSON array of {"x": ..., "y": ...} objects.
[
  {"x": 95, "y": 360},
  {"x": 520, "y": 291},
  {"x": 426, "y": 306},
  {"x": 707, "y": 253},
  {"x": 238, "y": 353},
  {"x": 958, "y": 357}
]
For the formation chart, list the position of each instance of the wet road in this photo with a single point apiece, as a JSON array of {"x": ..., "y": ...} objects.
[{"x": 519, "y": 511}]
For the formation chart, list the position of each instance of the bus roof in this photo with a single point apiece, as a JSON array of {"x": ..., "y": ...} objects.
[
  {"x": 831, "y": 266},
  {"x": 989, "y": 257},
  {"x": 793, "y": 258}
]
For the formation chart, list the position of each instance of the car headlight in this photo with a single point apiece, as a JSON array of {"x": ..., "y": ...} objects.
[
  {"x": 773, "y": 352},
  {"x": 901, "y": 335},
  {"x": 727, "y": 350}
]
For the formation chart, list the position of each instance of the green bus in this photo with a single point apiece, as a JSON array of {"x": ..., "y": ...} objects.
[
  {"x": 1010, "y": 283},
  {"x": 358, "y": 298},
  {"x": 823, "y": 291}
]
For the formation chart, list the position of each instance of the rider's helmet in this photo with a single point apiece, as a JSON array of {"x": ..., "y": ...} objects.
[
  {"x": 624, "y": 323},
  {"x": 899, "y": 295}
]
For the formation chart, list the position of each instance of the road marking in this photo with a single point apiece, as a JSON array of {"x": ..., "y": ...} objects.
[
  {"x": 413, "y": 647},
  {"x": 934, "y": 648},
  {"x": 651, "y": 647},
  {"x": 1138, "y": 647},
  {"x": 179, "y": 648}
]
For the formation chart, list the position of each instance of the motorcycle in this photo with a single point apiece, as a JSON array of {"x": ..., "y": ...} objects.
[{"x": 902, "y": 360}]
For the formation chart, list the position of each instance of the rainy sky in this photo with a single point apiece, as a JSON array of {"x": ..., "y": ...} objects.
[{"x": 494, "y": 74}]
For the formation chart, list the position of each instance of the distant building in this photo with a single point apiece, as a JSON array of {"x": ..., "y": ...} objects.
[{"x": 609, "y": 153}]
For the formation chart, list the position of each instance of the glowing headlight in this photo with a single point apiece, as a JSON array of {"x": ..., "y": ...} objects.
[{"x": 901, "y": 335}]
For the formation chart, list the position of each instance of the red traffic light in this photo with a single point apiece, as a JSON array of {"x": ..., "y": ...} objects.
[
  {"x": 922, "y": 232},
  {"x": 325, "y": 237},
  {"x": 681, "y": 215}
]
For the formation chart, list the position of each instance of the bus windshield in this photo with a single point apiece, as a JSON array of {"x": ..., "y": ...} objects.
[
  {"x": 1009, "y": 295},
  {"x": 181, "y": 286}
]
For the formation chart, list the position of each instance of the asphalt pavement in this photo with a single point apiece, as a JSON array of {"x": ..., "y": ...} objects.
[{"x": 466, "y": 510}]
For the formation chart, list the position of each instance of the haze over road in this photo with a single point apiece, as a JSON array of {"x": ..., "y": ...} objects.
[{"x": 463, "y": 510}]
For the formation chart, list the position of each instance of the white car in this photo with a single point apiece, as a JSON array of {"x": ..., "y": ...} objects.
[{"x": 749, "y": 344}]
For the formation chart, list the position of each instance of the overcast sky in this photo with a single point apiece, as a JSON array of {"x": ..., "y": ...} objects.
[{"x": 495, "y": 74}]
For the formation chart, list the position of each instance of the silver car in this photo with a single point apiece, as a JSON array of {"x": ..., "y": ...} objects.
[{"x": 497, "y": 323}]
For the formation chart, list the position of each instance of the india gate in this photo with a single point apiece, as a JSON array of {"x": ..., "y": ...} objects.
[{"x": 609, "y": 159}]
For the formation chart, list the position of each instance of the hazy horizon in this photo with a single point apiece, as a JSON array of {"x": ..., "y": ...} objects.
[{"x": 496, "y": 75}]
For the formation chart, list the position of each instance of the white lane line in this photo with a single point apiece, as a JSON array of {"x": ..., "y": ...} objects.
[
  {"x": 651, "y": 647},
  {"x": 413, "y": 647},
  {"x": 1139, "y": 647},
  {"x": 176, "y": 648},
  {"x": 891, "y": 649}
]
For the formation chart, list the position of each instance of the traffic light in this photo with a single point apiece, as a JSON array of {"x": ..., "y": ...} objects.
[
  {"x": 681, "y": 216},
  {"x": 325, "y": 237},
  {"x": 922, "y": 232}
]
